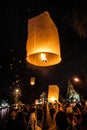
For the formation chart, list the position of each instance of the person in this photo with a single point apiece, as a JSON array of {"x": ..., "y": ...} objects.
[
  {"x": 83, "y": 125},
  {"x": 52, "y": 114},
  {"x": 77, "y": 115},
  {"x": 32, "y": 120},
  {"x": 32, "y": 123},
  {"x": 26, "y": 112},
  {"x": 39, "y": 117},
  {"x": 44, "y": 115},
  {"x": 61, "y": 120},
  {"x": 11, "y": 123},
  {"x": 20, "y": 121}
]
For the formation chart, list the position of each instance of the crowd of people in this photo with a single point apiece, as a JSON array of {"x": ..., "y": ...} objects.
[{"x": 48, "y": 117}]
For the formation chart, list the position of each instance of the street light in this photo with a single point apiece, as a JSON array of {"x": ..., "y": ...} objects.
[
  {"x": 80, "y": 81},
  {"x": 17, "y": 90},
  {"x": 76, "y": 79}
]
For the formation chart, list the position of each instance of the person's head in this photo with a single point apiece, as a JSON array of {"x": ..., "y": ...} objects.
[
  {"x": 20, "y": 116},
  {"x": 33, "y": 109},
  {"x": 27, "y": 106},
  {"x": 61, "y": 120},
  {"x": 12, "y": 114}
]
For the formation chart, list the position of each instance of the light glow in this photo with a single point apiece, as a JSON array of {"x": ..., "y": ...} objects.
[
  {"x": 43, "y": 57},
  {"x": 32, "y": 81},
  {"x": 17, "y": 90},
  {"x": 76, "y": 79},
  {"x": 53, "y": 99}
]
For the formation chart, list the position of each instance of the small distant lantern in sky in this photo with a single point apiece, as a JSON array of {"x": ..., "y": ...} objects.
[
  {"x": 32, "y": 81},
  {"x": 53, "y": 93},
  {"x": 43, "y": 44}
]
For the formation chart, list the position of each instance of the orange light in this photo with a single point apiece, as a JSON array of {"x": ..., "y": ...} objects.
[
  {"x": 43, "y": 57},
  {"x": 32, "y": 81},
  {"x": 53, "y": 93},
  {"x": 43, "y": 44},
  {"x": 76, "y": 79}
]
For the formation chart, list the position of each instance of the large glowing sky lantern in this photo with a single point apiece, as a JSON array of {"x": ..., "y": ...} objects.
[{"x": 43, "y": 44}]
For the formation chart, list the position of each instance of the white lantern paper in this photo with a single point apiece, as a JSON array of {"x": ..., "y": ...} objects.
[
  {"x": 53, "y": 93},
  {"x": 43, "y": 45}
]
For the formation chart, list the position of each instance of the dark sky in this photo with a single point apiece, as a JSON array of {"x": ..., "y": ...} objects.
[{"x": 69, "y": 17}]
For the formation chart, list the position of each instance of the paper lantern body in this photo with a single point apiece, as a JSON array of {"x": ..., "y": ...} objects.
[
  {"x": 43, "y": 45},
  {"x": 32, "y": 81},
  {"x": 53, "y": 93}
]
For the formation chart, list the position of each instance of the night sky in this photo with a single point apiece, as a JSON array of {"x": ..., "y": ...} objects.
[{"x": 71, "y": 20}]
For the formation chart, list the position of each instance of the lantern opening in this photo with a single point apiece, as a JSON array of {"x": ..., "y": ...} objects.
[
  {"x": 43, "y": 57},
  {"x": 49, "y": 60}
]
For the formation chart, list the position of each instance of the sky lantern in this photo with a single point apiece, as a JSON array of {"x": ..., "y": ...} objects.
[
  {"x": 53, "y": 93},
  {"x": 32, "y": 81},
  {"x": 43, "y": 44}
]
